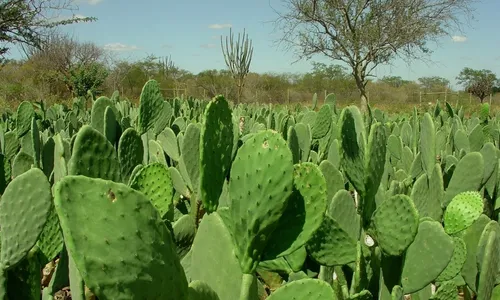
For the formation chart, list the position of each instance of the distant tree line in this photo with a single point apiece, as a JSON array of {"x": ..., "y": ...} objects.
[{"x": 361, "y": 34}]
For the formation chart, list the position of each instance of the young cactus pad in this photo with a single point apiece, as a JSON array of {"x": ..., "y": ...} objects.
[
  {"x": 462, "y": 211},
  {"x": 118, "y": 241}
]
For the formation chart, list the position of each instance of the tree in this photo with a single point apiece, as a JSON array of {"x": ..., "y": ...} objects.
[
  {"x": 366, "y": 33},
  {"x": 87, "y": 78},
  {"x": 61, "y": 57},
  {"x": 238, "y": 57},
  {"x": 394, "y": 81},
  {"x": 434, "y": 83},
  {"x": 479, "y": 83},
  {"x": 28, "y": 21}
]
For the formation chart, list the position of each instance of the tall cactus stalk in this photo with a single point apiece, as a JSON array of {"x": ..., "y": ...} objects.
[{"x": 238, "y": 56}]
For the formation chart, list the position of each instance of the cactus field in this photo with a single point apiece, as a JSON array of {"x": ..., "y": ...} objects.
[{"x": 187, "y": 199}]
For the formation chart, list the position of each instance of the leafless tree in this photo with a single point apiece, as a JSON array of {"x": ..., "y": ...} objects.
[
  {"x": 60, "y": 52},
  {"x": 366, "y": 33}
]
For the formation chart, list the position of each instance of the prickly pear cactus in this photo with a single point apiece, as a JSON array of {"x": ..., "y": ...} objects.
[
  {"x": 216, "y": 145},
  {"x": 257, "y": 205},
  {"x": 24, "y": 210},
  {"x": 134, "y": 242}
]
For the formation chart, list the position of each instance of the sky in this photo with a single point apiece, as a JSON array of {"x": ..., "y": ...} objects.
[{"x": 189, "y": 31}]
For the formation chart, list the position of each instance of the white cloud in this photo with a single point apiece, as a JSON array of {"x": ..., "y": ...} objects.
[
  {"x": 120, "y": 47},
  {"x": 219, "y": 26},
  {"x": 459, "y": 38},
  {"x": 207, "y": 46}
]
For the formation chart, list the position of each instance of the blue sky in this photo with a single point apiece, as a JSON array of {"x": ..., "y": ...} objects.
[{"x": 190, "y": 30}]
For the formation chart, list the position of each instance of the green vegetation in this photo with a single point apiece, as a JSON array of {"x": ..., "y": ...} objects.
[{"x": 187, "y": 199}]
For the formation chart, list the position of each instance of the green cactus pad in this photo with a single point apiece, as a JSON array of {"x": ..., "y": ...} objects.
[
  {"x": 343, "y": 210},
  {"x": 427, "y": 194},
  {"x": 130, "y": 152},
  {"x": 428, "y": 143},
  {"x": 471, "y": 238},
  {"x": 168, "y": 141},
  {"x": 331, "y": 245},
  {"x": 426, "y": 257},
  {"x": 457, "y": 261},
  {"x": 216, "y": 146},
  {"x": 303, "y": 132},
  {"x": 25, "y": 112},
  {"x": 134, "y": 256},
  {"x": 24, "y": 210},
  {"x": 35, "y": 144},
  {"x": 164, "y": 119},
  {"x": 374, "y": 170},
  {"x": 463, "y": 210},
  {"x": 213, "y": 260},
  {"x": 154, "y": 181},
  {"x": 395, "y": 223},
  {"x": 492, "y": 226},
  {"x": 94, "y": 156},
  {"x": 51, "y": 241},
  {"x": 191, "y": 155},
  {"x": 303, "y": 214},
  {"x": 260, "y": 183},
  {"x": 178, "y": 182},
  {"x": 293, "y": 143},
  {"x": 322, "y": 122},
  {"x": 333, "y": 177},
  {"x": 467, "y": 176},
  {"x": 489, "y": 267},
  {"x": 184, "y": 232},
  {"x": 198, "y": 290},
  {"x": 297, "y": 258},
  {"x": 111, "y": 127},
  {"x": 353, "y": 147},
  {"x": 306, "y": 288},
  {"x": 150, "y": 106},
  {"x": 22, "y": 163},
  {"x": 97, "y": 116}
]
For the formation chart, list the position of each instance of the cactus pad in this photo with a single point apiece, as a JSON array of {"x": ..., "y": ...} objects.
[
  {"x": 426, "y": 257},
  {"x": 216, "y": 146},
  {"x": 330, "y": 245},
  {"x": 130, "y": 152},
  {"x": 24, "y": 210},
  {"x": 463, "y": 210},
  {"x": 150, "y": 106},
  {"x": 94, "y": 156},
  {"x": 304, "y": 212},
  {"x": 154, "y": 181},
  {"x": 457, "y": 261},
  {"x": 257, "y": 204},
  {"x": 395, "y": 222},
  {"x": 100, "y": 219},
  {"x": 306, "y": 288}
]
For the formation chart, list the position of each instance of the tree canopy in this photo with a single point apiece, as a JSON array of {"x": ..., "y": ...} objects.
[
  {"x": 366, "y": 33},
  {"x": 28, "y": 22},
  {"x": 479, "y": 83}
]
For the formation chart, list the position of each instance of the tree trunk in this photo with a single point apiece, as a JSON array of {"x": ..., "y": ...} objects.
[
  {"x": 364, "y": 102},
  {"x": 360, "y": 83}
]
